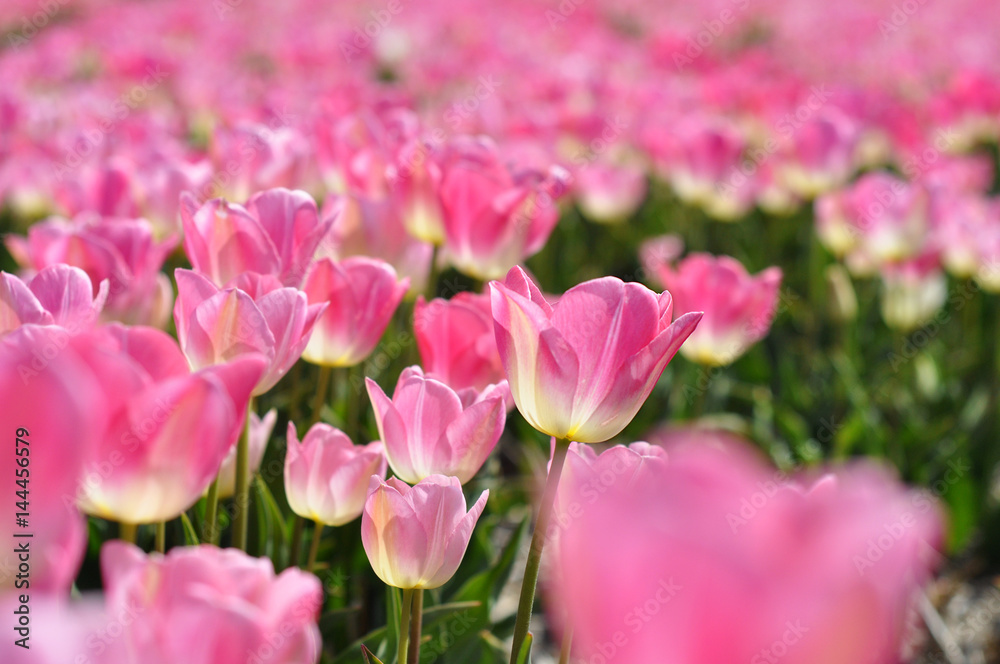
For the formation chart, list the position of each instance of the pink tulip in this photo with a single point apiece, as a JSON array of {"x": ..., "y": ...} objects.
[
  {"x": 260, "y": 433},
  {"x": 582, "y": 368},
  {"x": 204, "y": 605},
  {"x": 430, "y": 429},
  {"x": 169, "y": 429},
  {"x": 276, "y": 234},
  {"x": 415, "y": 191},
  {"x": 820, "y": 155},
  {"x": 739, "y": 308},
  {"x": 713, "y": 537},
  {"x": 266, "y": 157},
  {"x": 58, "y": 295},
  {"x": 256, "y": 315},
  {"x": 495, "y": 218},
  {"x": 913, "y": 292},
  {"x": 121, "y": 251},
  {"x": 456, "y": 341},
  {"x": 416, "y": 537},
  {"x": 326, "y": 475},
  {"x": 361, "y": 294},
  {"x": 609, "y": 193}
]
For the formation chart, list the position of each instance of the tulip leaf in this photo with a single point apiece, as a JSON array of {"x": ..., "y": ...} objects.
[
  {"x": 370, "y": 656},
  {"x": 190, "y": 536},
  {"x": 522, "y": 656}
]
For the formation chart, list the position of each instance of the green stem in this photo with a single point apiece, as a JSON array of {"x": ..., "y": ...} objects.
[
  {"x": 567, "y": 646},
  {"x": 323, "y": 383},
  {"x": 416, "y": 626},
  {"x": 210, "y": 530},
  {"x": 314, "y": 547},
  {"x": 432, "y": 275},
  {"x": 404, "y": 626},
  {"x": 127, "y": 532},
  {"x": 298, "y": 528},
  {"x": 161, "y": 536},
  {"x": 530, "y": 580},
  {"x": 241, "y": 519}
]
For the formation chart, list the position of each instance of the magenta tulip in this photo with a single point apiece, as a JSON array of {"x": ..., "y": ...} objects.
[
  {"x": 713, "y": 537},
  {"x": 430, "y": 429},
  {"x": 739, "y": 308},
  {"x": 416, "y": 537},
  {"x": 256, "y": 315},
  {"x": 205, "y": 605},
  {"x": 580, "y": 369},
  {"x": 361, "y": 295},
  {"x": 326, "y": 475}
]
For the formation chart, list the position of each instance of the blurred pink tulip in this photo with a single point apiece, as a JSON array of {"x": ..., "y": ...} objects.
[
  {"x": 609, "y": 193},
  {"x": 415, "y": 191},
  {"x": 122, "y": 252},
  {"x": 276, "y": 234},
  {"x": 430, "y": 429},
  {"x": 256, "y": 315},
  {"x": 416, "y": 537},
  {"x": 259, "y": 435},
  {"x": 713, "y": 537},
  {"x": 326, "y": 475},
  {"x": 169, "y": 429},
  {"x": 456, "y": 341},
  {"x": 361, "y": 294},
  {"x": 205, "y": 605},
  {"x": 495, "y": 218},
  {"x": 820, "y": 155},
  {"x": 57, "y": 295},
  {"x": 582, "y": 368},
  {"x": 913, "y": 292},
  {"x": 739, "y": 308}
]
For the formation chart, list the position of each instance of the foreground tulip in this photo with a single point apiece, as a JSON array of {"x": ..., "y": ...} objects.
[
  {"x": 456, "y": 341},
  {"x": 217, "y": 325},
  {"x": 259, "y": 434},
  {"x": 361, "y": 294},
  {"x": 739, "y": 308},
  {"x": 415, "y": 537},
  {"x": 581, "y": 369},
  {"x": 714, "y": 539},
  {"x": 327, "y": 476},
  {"x": 204, "y": 605},
  {"x": 429, "y": 429},
  {"x": 169, "y": 429}
]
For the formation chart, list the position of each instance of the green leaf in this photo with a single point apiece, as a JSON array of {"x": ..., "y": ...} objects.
[
  {"x": 190, "y": 536},
  {"x": 522, "y": 657},
  {"x": 370, "y": 656}
]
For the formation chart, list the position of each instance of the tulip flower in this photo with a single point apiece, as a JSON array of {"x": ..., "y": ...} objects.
[
  {"x": 121, "y": 251},
  {"x": 58, "y": 295},
  {"x": 494, "y": 218},
  {"x": 913, "y": 292},
  {"x": 609, "y": 193},
  {"x": 205, "y": 605},
  {"x": 169, "y": 429},
  {"x": 739, "y": 308},
  {"x": 217, "y": 325},
  {"x": 361, "y": 294},
  {"x": 456, "y": 341},
  {"x": 820, "y": 155},
  {"x": 430, "y": 429},
  {"x": 327, "y": 476},
  {"x": 276, "y": 234},
  {"x": 805, "y": 571},
  {"x": 580, "y": 369},
  {"x": 259, "y": 434},
  {"x": 415, "y": 537}
]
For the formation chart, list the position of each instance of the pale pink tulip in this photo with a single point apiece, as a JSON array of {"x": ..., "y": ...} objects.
[
  {"x": 416, "y": 537},
  {"x": 714, "y": 537},
  {"x": 739, "y": 308},
  {"x": 58, "y": 295},
  {"x": 205, "y": 605},
  {"x": 913, "y": 292},
  {"x": 276, "y": 234},
  {"x": 582, "y": 368},
  {"x": 360, "y": 294},
  {"x": 259, "y": 435},
  {"x": 456, "y": 341},
  {"x": 256, "y": 315},
  {"x": 430, "y": 429},
  {"x": 609, "y": 193},
  {"x": 327, "y": 476}
]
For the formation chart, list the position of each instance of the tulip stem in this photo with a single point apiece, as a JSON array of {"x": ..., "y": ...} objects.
[
  {"x": 298, "y": 528},
  {"x": 161, "y": 536},
  {"x": 314, "y": 547},
  {"x": 323, "y": 382},
  {"x": 432, "y": 275},
  {"x": 527, "y": 600},
  {"x": 241, "y": 518},
  {"x": 404, "y": 626},
  {"x": 211, "y": 528},
  {"x": 416, "y": 626},
  {"x": 567, "y": 646},
  {"x": 127, "y": 532}
]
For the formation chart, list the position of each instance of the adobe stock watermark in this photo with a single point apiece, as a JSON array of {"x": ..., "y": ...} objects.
[
  {"x": 610, "y": 134},
  {"x": 30, "y": 26},
  {"x": 635, "y": 620},
  {"x": 370, "y": 31},
  {"x": 901, "y": 14},
  {"x": 794, "y": 631},
  {"x": 711, "y": 30},
  {"x": 458, "y": 111}
]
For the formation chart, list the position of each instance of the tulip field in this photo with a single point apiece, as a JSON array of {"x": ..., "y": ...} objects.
[{"x": 509, "y": 331}]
